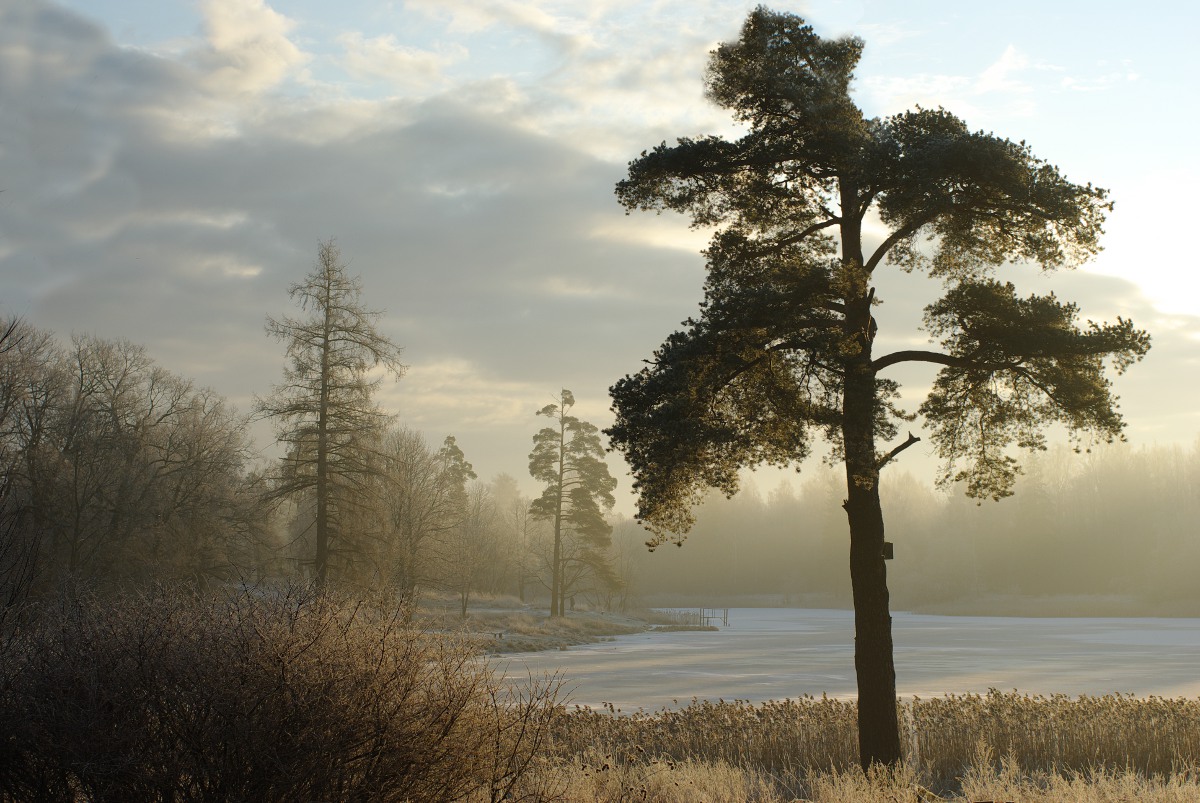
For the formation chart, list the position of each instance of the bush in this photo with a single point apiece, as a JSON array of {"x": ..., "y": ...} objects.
[{"x": 257, "y": 696}]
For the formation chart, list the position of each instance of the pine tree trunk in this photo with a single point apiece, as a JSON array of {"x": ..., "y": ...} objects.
[
  {"x": 878, "y": 724},
  {"x": 556, "y": 569}
]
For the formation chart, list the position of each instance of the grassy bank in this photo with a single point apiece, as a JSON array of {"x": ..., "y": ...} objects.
[
  {"x": 505, "y": 624},
  {"x": 283, "y": 695},
  {"x": 529, "y": 631}
]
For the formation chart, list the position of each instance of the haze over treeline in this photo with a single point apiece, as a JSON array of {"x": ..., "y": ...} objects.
[
  {"x": 118, "y": 471},
  {"x": 1107, "y": 532}
]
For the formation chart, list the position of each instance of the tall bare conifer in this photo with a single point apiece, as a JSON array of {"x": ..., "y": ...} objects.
[{"x": 324, "y": 412}]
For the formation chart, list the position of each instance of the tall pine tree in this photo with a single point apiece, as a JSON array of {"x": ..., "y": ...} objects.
[
  {"x": 782, "y": 351},
  {"x": 569, "y": 459}
]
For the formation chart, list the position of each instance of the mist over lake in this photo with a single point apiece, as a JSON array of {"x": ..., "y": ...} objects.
[{"x": 775, "y": 653}]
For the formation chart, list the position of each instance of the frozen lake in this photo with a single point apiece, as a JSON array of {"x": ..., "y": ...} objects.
[{"x": 773, "y": 653}]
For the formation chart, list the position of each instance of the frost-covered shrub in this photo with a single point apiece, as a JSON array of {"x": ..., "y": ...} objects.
[{"x": 263, "y": 696}]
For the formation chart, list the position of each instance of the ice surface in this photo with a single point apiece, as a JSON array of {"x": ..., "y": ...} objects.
[{"x": 775, "y": 653}]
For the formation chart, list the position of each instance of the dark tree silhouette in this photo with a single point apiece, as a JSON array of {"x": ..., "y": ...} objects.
[{"x": 781, "y": 352}]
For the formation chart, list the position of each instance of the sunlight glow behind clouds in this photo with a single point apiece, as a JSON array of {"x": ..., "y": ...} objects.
[
  {"x": 452, "y": 393},
  {"x": 655, "y": 232}
]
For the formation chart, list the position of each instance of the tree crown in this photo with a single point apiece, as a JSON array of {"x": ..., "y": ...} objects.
[
  {"x": 569, "y": 459},
  {"x": 785, "y": 322}
]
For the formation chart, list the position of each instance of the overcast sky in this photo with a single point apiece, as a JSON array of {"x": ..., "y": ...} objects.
[{"x": 168, "y": 167}]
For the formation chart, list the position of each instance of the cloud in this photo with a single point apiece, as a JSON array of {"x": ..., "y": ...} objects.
[
  {"x": 1113, "y": 76},
  {"x": 1003, "y": 74},
  {"x": 408, "y": 68},
  {"x": 1006, "y": 86},
  {"x": 601, "y": 74},
  {"x": 171, "y": 200},
  {"x": 456, "y": 393},
  {"x": 477, "y": 16},
  {"x": 895, "y": 93},
  {"x": 247, "y": 49},
  {"x": 653, "y": 231},
  {"x": 476, "y": 234}
]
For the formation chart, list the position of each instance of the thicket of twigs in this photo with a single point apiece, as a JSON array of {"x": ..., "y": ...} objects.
[{"x": 263, "y": 696}]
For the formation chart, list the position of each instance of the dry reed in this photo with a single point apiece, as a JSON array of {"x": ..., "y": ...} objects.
[{"x": 950, "y": 742}]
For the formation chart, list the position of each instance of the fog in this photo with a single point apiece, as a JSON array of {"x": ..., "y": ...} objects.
[{"x": 1111, "y": 532}]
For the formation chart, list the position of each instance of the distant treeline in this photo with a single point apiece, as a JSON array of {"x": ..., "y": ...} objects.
[
  {"x": 1114, "y": 531},
  {"x": 116, "y": 473}
]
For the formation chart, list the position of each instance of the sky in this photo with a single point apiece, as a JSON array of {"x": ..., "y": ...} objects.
[{"x": 168, "y": 167}]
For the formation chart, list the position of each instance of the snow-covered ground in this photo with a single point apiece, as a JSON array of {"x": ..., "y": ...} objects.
[{"x": 773, "y": 653}]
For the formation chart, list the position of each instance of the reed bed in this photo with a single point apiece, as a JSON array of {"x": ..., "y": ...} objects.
[
  {"x": 1151, "y": 736},
  {"x": 788, "y": 736},
  {"x": 1025, "y": 744},
  {"x": 595, "y": 779}
]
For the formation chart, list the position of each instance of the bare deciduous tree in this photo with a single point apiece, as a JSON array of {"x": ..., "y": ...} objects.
[
  {"x": 116, "y": 469},
  {"x": 423, "y": 496}
]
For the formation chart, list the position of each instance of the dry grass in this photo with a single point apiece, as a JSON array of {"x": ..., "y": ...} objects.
[
  {"x": 783, "y": 737},
  {"x": 1053, "y": 748},
  {"x": 1152, "y": 736},
  {"x": 598, "y": 778}
]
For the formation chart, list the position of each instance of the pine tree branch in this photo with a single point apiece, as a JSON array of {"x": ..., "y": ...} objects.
[{"x": 890, "y": 456}]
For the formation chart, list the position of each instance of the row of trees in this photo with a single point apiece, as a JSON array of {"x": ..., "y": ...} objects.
[
  {"x": 420, "y": 518},
  {"x": 372, "y": 502},
  {"x": 116, "y": 471}
]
